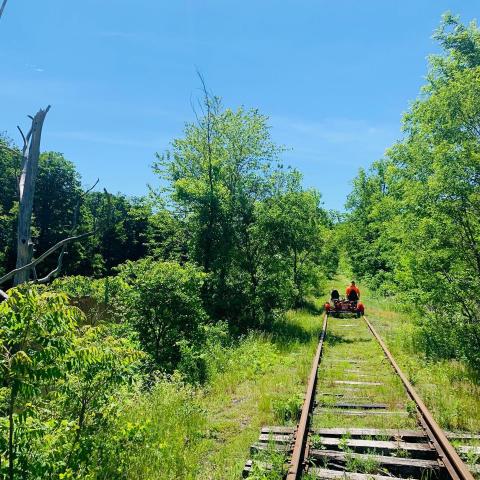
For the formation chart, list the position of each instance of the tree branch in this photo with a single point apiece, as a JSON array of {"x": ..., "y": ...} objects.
[
  {"x": 44, "y": 255},
  {"x": 23, "y": 136},
  {"x": 76, "y": 213},
  {"x": 2, "y": 8}
]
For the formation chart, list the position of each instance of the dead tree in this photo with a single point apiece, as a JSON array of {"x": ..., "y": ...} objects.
[
  {"x": 26, "y": 192},
  {"x": 26, "y": 264},
  {"x": 2, "y": 8}
]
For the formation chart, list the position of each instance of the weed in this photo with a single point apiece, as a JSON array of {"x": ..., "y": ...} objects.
[
  {"x": 411, "y": 408},
  {"x": 316, "y": 442},
  {"x": 288, "y": 409},
  {"x": 402, "y": 453},
  {"x": 343, "y": 443},
  {"x": 366, "y": 464},
  {"x": 269, "y": 465}
]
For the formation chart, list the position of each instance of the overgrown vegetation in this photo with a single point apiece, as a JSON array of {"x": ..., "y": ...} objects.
[
  {"x": 172, "y": 339},
  {"x": 229, "y": 245},
  {"x": 413, "y": 227}
]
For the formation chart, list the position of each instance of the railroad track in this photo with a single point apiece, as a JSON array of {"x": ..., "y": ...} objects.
[{"x": 362, "y": 419}]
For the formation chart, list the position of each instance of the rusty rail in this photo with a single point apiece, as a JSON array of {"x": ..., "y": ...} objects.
[
  {"x": 447, "y": 454},
  {"x": 301, "y": 433}
]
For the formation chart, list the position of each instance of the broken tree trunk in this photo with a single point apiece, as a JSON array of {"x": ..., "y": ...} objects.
[
  {"x": 2, "y": 8},
  {"x": 26, "y": 190}
]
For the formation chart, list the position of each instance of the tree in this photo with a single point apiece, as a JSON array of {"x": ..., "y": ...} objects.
[
  {"x": 9, "y": 167},
  {"x": 54, "y": 208},
  {"x": 366, "y": 239},
  {"x": 26, "y": 191},
  {"x": 216, "y": 174},
  {"x": 163, "y": 304},
  {"x": 291, "y": 226},
  {"x": 416, "y": 213}
]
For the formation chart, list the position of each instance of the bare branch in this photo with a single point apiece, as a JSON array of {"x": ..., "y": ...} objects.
[
  {"x": 86, "y": 192},
  {"x": 56, "y": 270},
  {"x": 3, "y": 295},
  {"x": 2, "y": 8},
  {"x": 44, "y": 255},
  {"x": 23, "y": 136}
]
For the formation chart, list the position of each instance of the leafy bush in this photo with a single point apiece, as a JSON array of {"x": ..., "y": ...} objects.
[
  {"x": 163, "y": 303},
  {"x": 288, "y": 409},
  {"x": 37, "y": 336},
  {"x": 97, "y": 298},
  {"x": 59, "y": 384}
]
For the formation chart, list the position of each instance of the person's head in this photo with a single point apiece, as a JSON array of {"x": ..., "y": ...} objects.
[{"x": 352, "y": 283}]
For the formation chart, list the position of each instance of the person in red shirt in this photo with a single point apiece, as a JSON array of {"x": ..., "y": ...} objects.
[{"x": 353, "y": 292}]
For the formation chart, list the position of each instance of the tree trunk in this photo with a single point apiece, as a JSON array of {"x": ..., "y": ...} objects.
[
  {"x": 26, "y": 187},
  {"x": 2, "y": 8}
]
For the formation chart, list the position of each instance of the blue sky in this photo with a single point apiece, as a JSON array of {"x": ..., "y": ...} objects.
[{"x": 333, "y": 76}]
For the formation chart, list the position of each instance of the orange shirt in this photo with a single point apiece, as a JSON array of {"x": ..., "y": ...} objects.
[{"x": 354, "y": 288}]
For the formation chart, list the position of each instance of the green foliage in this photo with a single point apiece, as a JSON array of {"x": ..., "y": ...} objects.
[
  {"x": 290, "y": 231},
  {"x": 97, "y": 298},
  {"x": 149, "y": 439},
  {"x": 163, "y": 304},
  {"x": 288, "y": 409},
  {"x": 57, "y": 383},
  {"x": 36, "y": 338},
  {"x": 269, "y": 464},
  {"x": 413, "y": 226},
  {"x": 248, "y": 222}
]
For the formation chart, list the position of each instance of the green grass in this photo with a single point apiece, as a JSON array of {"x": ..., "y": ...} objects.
[
  {"x": 449, "y": 389},
  {"x": 206, "y": 433}
]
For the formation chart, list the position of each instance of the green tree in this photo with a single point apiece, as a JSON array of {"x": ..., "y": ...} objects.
[
  {"x": 163, "y": 304},
  {"x": 9, "y": 166},
  {"x": 291, "y": 228},
  {"x": 415, "y": 215},
  {"x": 54, "y": 208}
]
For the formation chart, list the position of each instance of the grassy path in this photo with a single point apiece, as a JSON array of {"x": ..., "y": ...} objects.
[
  {"x": 206, "y": 432},
  {"x": 450, "y": 390},
  {"x": 270, "y": 398},
  {"x": 354, "y": 370}
]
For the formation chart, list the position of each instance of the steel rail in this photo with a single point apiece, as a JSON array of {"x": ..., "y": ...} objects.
[
  {"x": 447, "y": 454},
  {"x": 301, "y": 433}
]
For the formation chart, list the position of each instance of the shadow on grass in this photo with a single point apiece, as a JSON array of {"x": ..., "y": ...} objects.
[
  {"x": 333, "y": 339},
  {"x": 311, "y": 307},
  {"x": 284, "y": 333}
]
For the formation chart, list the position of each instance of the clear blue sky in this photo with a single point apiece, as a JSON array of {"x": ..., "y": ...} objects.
[{"x": 333, "y": 76}]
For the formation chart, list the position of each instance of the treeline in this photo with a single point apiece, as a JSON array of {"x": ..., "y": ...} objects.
[
  {"x": 413, "y": 226},
  {"x": 126, "y": 224},
  {"x": 230, "y": 242}
]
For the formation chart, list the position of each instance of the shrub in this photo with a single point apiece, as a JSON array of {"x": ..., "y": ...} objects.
[{"x": 163, "y": 303}]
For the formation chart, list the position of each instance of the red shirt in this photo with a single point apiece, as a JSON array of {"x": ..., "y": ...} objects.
[{"x": 354, "y": 288}]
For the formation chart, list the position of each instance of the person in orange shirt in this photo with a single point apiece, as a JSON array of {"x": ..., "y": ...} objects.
[{"x": 353, "y": 292}]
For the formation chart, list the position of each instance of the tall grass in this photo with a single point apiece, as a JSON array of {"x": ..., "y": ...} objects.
[{"x": 179, "y": 431}]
